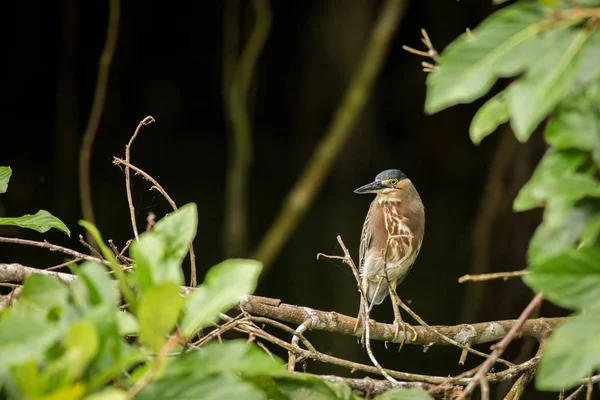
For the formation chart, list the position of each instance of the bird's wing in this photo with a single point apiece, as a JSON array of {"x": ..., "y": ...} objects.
[{"x": 365, "y": 241}]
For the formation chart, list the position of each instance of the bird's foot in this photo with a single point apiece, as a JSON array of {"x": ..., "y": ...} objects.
[{"x": 399, "y": 324}]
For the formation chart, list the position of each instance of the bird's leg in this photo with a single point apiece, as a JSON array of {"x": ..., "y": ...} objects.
[
  {"x": 398, "y": 318},
  {"x": 360, "y": 319}
]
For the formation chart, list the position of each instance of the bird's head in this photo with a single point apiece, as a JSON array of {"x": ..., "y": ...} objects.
[{"x": 386, "y": 182}]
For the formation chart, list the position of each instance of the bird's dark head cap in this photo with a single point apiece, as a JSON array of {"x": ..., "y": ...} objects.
[
  {"x": 390, "y": 174},
  {"x": 384, "y": 182}
]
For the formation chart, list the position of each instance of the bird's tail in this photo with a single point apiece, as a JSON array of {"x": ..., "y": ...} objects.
[{"x": 377, "y": 291}]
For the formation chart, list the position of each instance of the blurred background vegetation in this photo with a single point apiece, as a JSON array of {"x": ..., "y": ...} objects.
[{"x": 169, "y": 63}]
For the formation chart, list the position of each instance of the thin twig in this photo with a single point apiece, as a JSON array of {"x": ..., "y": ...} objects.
[
  {"x": 485, "y": 388},
  {"x": 294, "y": 342},
  {"x": 52, "y": 247},
  {"x": 59, "y": 266},
  {"x": 161, "y": 190},
  {"x": 507, "y": 374},
  {"x": 154, "y": 367},
  {"x": 119, "y": 254},
  {"x": 87, "y": 141},
  {"x": 518, "y": 388},
  {"x": 231, "y": 324},
  {"x": 577, "y": 392},
  {"x": 240, "y": 150},
  {"x": 430, "y": 53},
  {"x": 499, "y": 347},
  {"x": 89, "y": 247},
  {"x": 146, "y": 121},
  {"x": 488, "y": 277},
  {"x": 284, "y": 328},
  {"x": 150, "y": 221},
  {"x": 589, "y": 389},
  {"x": 317, "y": 168},
  {"x": 463, "y": 346},
  {"x": 365, "y": 310}
]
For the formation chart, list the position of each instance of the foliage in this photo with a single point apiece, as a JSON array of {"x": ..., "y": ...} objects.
[
  {"x": 74, "y": 341},
  {"x": 42, "y": 221},
  {"x": 551, "y": 52}
]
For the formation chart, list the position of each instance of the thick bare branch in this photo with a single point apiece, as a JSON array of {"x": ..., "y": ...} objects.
[{"x": 482, "y": 332}]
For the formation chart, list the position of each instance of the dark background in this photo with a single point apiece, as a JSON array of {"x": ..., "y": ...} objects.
[{"x": 168, "y": 64}]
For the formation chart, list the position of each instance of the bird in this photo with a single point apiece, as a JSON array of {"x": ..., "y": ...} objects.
[{"x": 390, "y": 241}]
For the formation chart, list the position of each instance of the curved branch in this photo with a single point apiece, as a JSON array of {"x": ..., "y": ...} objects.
[
  {"x": 85, "y": 153},
  {"x": 235, "y": 224}
]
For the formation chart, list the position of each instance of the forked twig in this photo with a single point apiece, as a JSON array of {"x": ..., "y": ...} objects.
[
  {"x": 347, "y": 259},
  {"x": 146, "y": 121},
  {"x": 157, "y": 186},
  {"x": 499, "y": 347},
  {"x": 295, "y": 339},
  {"x": 430, "y": 53}
]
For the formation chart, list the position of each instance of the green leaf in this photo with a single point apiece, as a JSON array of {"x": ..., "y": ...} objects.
[
  {"x": 404, "y": 394},
  {"x": 147, "y": 253},
  {"x": 574, "y": 128},
  {"x": 83, "y": 342},
  {"x": 23, "y": 340},
  {"x": 571, "y": 353},
  {"x": 41, "y": 222},
  {"x": 502, "y": 45},
  {"x": 556, "y": 176},
  {"x": 532, "y": 97},
  {"x": 178, "y": 230},
  {"x": 114, "y": 264},
  {"x": 190, "y": 386},
  {"x": 157, "y": 314},
  {"x": 589, "y": 237},
  {"x": 127, "y": 324},
  {"x": 233, "y": 356},
  {"x": 101, "y": 288},
  {"x": 159, "y": 253},
  {"x": 43, "y": 298},
  {"x": 491, "y": 115},
  {"x": 108, "y": 394},
  {"x": 73, "y": 392},
  {"x": 222, "y": 288},
  {"x": 27, "y": 380},
  {"x": 571, "y": 279},
  {"x": 153, "y": 264},
  {"x": 307, "y": 387},
  {"x": 5, "y": 174},
  {"x": 561, "y": 229},
  {"x": 589, "y": 67}
]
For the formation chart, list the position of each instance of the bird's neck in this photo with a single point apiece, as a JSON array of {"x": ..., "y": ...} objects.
[{"x": 388, "y": 198}]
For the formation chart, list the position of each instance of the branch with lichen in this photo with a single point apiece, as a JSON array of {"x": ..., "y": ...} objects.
[{"x": 333, "y": 322}]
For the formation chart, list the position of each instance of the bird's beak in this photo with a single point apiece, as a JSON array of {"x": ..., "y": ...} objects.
[{"x": 372, "y": 187}]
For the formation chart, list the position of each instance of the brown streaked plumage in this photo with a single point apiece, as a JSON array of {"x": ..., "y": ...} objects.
[{"x": 396, "y": 221}]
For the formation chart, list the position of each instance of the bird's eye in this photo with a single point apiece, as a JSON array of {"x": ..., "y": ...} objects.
[{"x": 393, "y": 182}]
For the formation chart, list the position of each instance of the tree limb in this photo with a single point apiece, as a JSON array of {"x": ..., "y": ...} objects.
[{"x": 482, "y": 332}]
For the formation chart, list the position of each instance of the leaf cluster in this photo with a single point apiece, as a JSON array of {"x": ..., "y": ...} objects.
[{"x": 551, "y": 52}]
